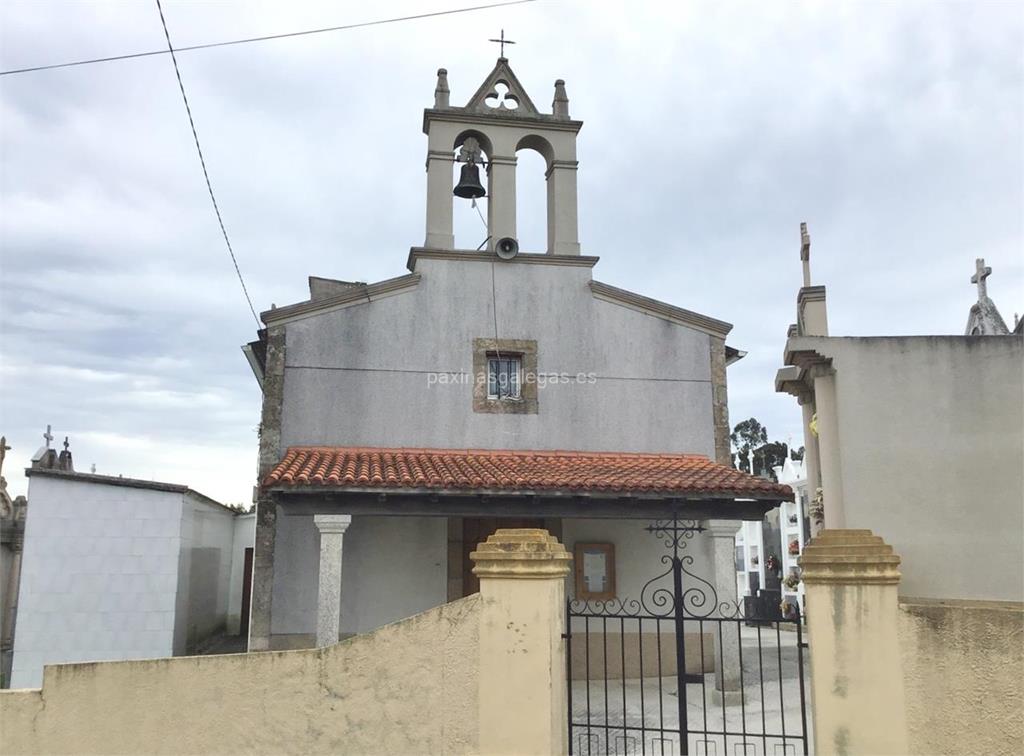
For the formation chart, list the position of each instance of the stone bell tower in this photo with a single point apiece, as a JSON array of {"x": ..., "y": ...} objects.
[{"x": 502, "y": 119}]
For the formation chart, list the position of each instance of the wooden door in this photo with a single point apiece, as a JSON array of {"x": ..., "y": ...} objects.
[
  {"x": 246, "y": 592},
  {"x": 475, "y": 530}
]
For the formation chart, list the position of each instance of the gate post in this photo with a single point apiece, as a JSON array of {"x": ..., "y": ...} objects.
[
  {"x": 856, "y": 671},
  {"x": 523, "y": 706}
]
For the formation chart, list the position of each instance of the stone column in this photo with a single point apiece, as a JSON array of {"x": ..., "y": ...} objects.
[
  {"x": 439, "y": 200},
  {"x": 501, "y": 199},
  {"x": 831, "y": 469},
  {"x": 810, "y": 457},
  {"x": 851, "y": 578},
  {"x": 563, "y": 226},
  {"x": 328, "y": 604},
  {"x": 723, "y": 557},
  {"x": 523, "y": 706}
]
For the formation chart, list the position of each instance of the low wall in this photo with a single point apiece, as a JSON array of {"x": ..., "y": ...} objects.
[
  {"x": 963, "y": 669},
  {"x": 409, "y": 687}
]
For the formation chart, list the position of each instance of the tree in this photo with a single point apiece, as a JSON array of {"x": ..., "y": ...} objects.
[
  {"x": 750, "y": 435},
  {"x": 747, "y": 435}
]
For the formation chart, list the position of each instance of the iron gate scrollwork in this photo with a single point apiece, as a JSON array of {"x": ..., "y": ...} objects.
[{"x": 687, "y": 673}]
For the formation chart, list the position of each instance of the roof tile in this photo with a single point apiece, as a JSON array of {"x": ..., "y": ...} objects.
[{"x": 517, "y": 471}]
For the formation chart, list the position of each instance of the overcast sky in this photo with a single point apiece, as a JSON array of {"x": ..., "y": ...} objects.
[{"x": 711, "y": 130}]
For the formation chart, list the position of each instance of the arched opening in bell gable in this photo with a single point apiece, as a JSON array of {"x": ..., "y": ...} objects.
[
  {"x": 469, "y": 224},
  {"x": 534, "y": 155}
]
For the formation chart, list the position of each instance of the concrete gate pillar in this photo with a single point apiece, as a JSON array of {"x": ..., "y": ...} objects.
[
  {"x": 328, "y": 605},
  {"x": 727, "y": 643},
  {"x": 856, "y": 669},
  {"x": 523, "y": 693}
]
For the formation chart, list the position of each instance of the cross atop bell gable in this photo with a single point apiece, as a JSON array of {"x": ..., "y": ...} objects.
[{"x": 503, "y": 120}]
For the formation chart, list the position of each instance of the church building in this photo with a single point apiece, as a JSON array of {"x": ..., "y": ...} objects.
[{"x": 405, "y": 420}]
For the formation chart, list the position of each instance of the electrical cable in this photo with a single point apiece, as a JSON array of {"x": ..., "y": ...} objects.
[
  {"x": 265, "y": 38},
  {"x": 202, "y": 162}
]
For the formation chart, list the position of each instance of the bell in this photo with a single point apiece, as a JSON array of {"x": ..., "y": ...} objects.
[{"x": 469, "y": 186}]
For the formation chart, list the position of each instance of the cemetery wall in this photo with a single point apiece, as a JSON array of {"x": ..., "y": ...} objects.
[
  {"x": 410, "y": 687},
  {"x": 204, "y": 571},
  {"x": 963, "y": 669},
  {"x": 99, "y": 574},
  {"x": 931, "y": 438}
]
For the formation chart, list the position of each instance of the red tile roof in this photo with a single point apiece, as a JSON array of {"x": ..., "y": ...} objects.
[{"x": 684, "y": 475}]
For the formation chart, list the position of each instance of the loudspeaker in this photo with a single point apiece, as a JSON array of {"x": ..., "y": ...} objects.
[{"x": 506, "y": 248}]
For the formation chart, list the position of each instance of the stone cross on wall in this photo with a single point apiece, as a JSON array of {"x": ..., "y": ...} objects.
[
  {"x": 981, "y": 273},
  {"x": 48, "y": 436}
]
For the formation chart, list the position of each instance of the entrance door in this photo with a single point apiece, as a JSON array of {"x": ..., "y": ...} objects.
[{"x": 476, "y": 530}]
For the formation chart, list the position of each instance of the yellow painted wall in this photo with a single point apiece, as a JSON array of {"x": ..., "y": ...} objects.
[
  {"x": 963, "y": 666},
  {"x": 409, "y": 687}
]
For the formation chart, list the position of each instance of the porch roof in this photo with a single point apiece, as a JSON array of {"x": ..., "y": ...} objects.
[{"x": 516, "y": 473}]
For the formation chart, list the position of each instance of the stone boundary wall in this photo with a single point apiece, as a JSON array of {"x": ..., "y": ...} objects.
[
  {"x": 963, "y": 669},
  {"x": 409, "y": 687}
]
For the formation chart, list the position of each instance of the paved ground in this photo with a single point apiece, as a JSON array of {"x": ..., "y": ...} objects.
[
  {"x": 223, "y": 644},
  {"x": 761, "y": 712}
]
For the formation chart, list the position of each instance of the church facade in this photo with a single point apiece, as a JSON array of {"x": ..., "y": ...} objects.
[{"x": 404, "y": 420}]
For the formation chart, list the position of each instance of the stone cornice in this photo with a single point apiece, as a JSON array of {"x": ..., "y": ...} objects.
[
  {"x": 356, "y": 295},
  {"x": 521, "y": 554},
  {"x": 811, "y": 294},
  {"x": 850, "y": 557},
  {"x": 660, "y": 309},
  {"x": 426, "y": 253},
  {"x": 505, "y": 118}
]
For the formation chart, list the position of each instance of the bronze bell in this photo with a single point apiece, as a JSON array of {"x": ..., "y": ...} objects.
[{"x": 469, "y": 186}]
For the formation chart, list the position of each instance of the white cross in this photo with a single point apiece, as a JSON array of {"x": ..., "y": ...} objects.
[
  {"x": 982, "y": 272},
  {"x": 48, "y": 436}
]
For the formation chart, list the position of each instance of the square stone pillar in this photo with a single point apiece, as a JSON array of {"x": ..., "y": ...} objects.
[
  {"x": 439, "y": 200},
  {"x": 563, "y": 226},
  {"x": 829, "y": 458},
  {"x": 851, "y": 579},
  {"x": 328, "y": 605},
  {"x": 501, "y": 199},
  {"x": 727, "y": 644},
  {"x": 523, "y": 693}
]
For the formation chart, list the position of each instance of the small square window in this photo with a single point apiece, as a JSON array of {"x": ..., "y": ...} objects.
[{"x": 504, "y": 374}]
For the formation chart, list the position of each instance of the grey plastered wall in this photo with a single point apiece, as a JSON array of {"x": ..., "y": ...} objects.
[
  {"x": 931, "y": 438},
  {"x": 392, "y": 567},
  {"x": 362, "y": 375}
]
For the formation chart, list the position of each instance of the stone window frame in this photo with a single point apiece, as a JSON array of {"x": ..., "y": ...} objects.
[{"x": 526, "y": 350}]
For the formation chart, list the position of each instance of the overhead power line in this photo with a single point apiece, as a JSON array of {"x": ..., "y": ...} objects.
[
  {"x": 265, "y": 38},
  {"x": 202, "y": 161}
]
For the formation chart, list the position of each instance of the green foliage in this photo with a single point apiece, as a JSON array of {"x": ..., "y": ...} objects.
[{"x": 750, "y": 436}]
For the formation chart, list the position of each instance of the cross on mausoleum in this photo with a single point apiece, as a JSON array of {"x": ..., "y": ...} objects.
[
  {"x": 502, "y": 41},
  {"x": 4, "y": 448},
  {"x": 982, "y": 272},
  {"x": 48, "y": 436}
]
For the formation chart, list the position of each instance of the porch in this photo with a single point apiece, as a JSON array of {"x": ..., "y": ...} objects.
[{"x": 366, "y": 537}]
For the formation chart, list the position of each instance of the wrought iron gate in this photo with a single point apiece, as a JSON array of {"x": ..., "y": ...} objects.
[{"x": 645, "y": 672}]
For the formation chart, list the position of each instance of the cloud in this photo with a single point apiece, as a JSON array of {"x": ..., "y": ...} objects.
[{"x": 711, "y": 130}]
